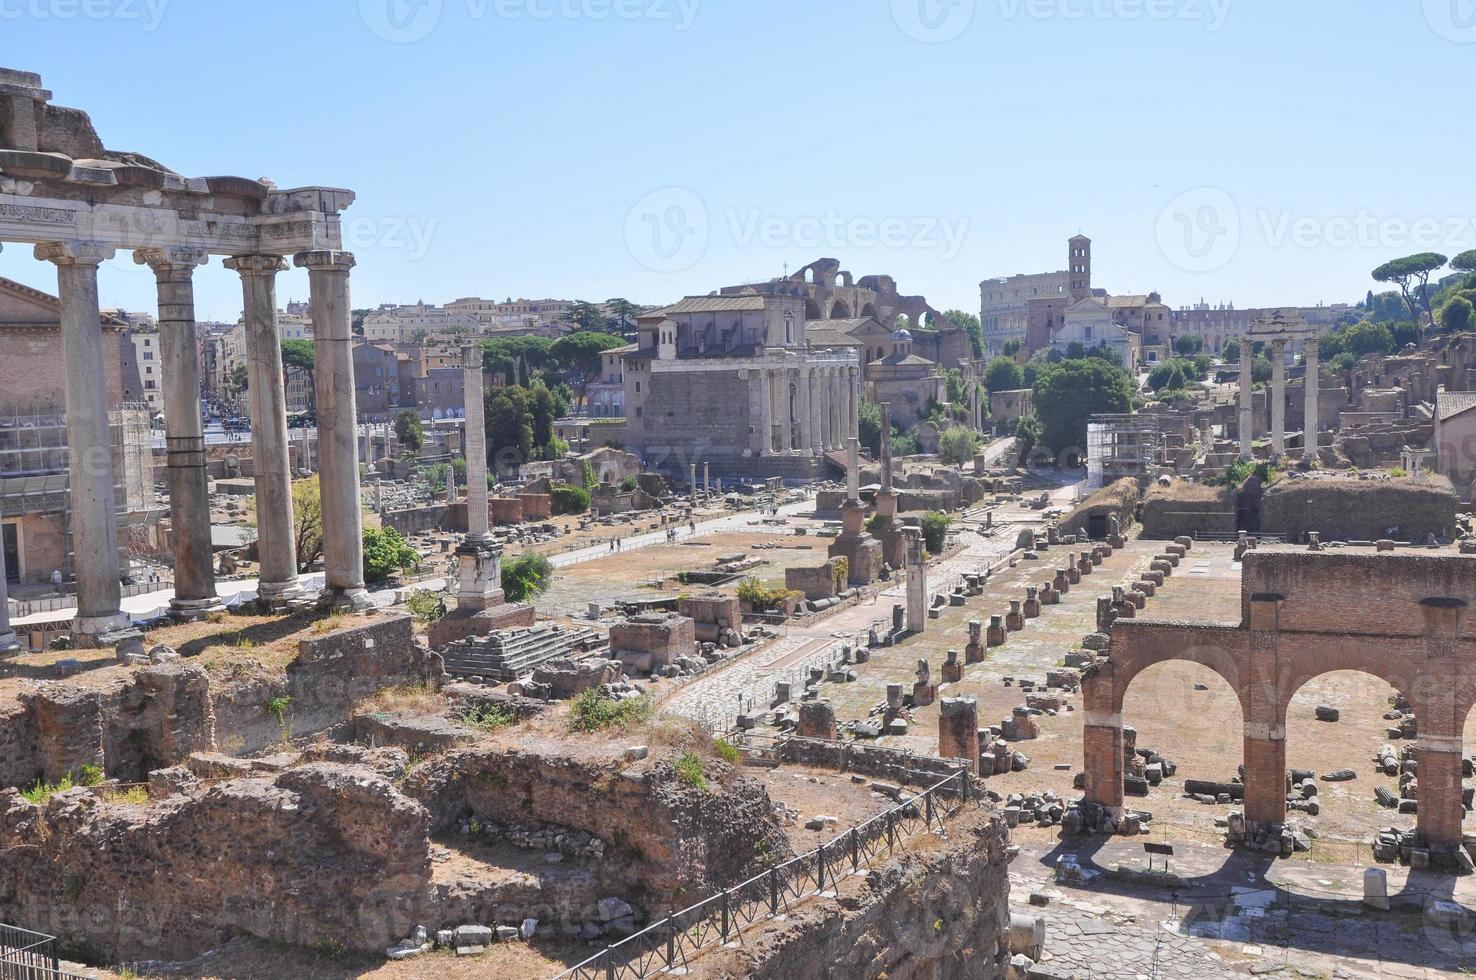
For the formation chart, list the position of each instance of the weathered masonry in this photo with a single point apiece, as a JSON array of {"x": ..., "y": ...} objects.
[
  {"x": 1413, "y": 629},
  {"x": 78, "y": 203}
]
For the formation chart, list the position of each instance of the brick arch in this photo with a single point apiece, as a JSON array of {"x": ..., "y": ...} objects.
[{"x": 1222, "y": 650}]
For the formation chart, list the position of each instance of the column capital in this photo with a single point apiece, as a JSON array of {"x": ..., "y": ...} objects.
[
  {"x": 74, "y": 253},
  {"x": 471, "y": 357},
  {"x": 171, "y": 257},
  {"x": 324, "y": 260},
  {"x": 256, "y": 265}
]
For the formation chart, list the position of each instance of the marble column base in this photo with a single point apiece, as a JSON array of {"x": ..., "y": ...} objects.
[
  {"x": 9, "y": 642},
  {"x": 347, "y": 600},
  {"x": 192, "y": 610},
  {"x": 86, "y": 630},
  {"x": 479, "y": 578},
  {"x": 275, "y": 596}
]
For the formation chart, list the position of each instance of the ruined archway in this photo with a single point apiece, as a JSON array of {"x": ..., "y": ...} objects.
[
  {"x": 1191, "y": 717},
  {"x": 869, "y": 310},
  {"x": 812, "y": 309},
  {"x": 840, "y": 311}
]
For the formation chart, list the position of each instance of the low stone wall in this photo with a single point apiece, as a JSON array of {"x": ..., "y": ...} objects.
[
  {"x": 461, "y": 623},
  {"x": 940, "y": 913},
  {"x": 416, "y": 520},
  {"x": 322, "y": 853},
  {"x": 1188, "y": 508},
  {"x": 867, "y": 760},
  {"x": 1119, "y": 500},
  {"x": 816, "y": 581},
  {"x": 1405, "y": 509},
  {"x": 132, "y": 720}
]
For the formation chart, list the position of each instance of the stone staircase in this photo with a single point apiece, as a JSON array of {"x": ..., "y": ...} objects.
[{"x": 508, "y": 655}]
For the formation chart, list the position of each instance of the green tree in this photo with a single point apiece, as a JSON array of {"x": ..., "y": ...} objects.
[
  {"x": 935, "y": 531},
  {"x": 957, "y": 445},
  {"x": 1003, "y": 374},
  {"x": 569, "y": 500},
  {"x": 1027, "y": 434},
  {"x": 1465, "y": 262},
  {"x": 1231, "y": 351},
  {"x": 1167, "y": 375},
  {"x": 1412, "y": 275},
  {"x": 526, "y": 576},
  {"x": 581, "y": 356},
  {"x": 1011, "y": 348},
  {"x": 239, "y": 377},
  {"x": 307, "y": 522},
  {"x": 971, "y": 326},
  {"x": 1456, "y": 315},
  {"x": 1188, "y": 345},
  {"x": 1068, "y": 394},
  {"x": 409, "y": 430},
  {"x": 543, "y": 412},
  {"x": 868, "y": 428},
  {"x": 1366, "y": 337},
  {"x": 508, "y": 425},
  {"x": 386, "y": 552},
  {"x": 298, "y": 355},
  {"x": 622, "y": 314},
  {"x": 587, "y": 316},
  {"x": 516, "y": 359}
]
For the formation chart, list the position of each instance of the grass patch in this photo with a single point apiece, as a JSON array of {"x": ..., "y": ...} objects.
[
  {"x": 594, "y": 710},
  {"x": 690, "y": 771},
  {"x": 487, "y": 717},
  {"x": 133, "y": 796},
  {"x": 43, "y": 791},
  {"x": 727, "y": 751}
]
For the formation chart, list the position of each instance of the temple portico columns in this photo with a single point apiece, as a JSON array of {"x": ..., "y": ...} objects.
[
  {"x": 184, "y": 434},
  {"x": 786, "y": 412},
  {"x": 276, "y": 543},
  {"x": 338, "y": 458},
  {"x": 823, "y": 435},
  {"x": 764, "y": 403},
  {"x": 805, "y": 405},
  {"x": 1278, "y": 399},
  {"x": 853, "y": 398},
  {"x": 1311, "y": 420},
  {"x": 90, "y": 454},
  {"x": 837, "y": 405},
  {"x": 1247, "y": 400}
]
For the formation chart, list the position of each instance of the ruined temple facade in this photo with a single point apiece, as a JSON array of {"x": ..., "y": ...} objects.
[{"x": 733, "y": 383}]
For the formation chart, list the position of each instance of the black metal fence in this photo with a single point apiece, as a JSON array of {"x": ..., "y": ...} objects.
[
  {"x": 670, "y": 944},
  {"x": 27, "y": 955}
]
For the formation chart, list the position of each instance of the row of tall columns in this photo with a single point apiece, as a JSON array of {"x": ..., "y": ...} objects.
[{"x": 804, "y": 410}]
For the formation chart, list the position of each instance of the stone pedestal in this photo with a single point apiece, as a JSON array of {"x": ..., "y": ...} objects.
[
  {"x": 953, "y": 668},
  {"x": 924, "y": 691},
  {"x": 1048, "y": 595},
  {"x": 479, "y": 574},
  {"x": 1015, "y": 619},
  {"x": 958, "y": 730},
  {"x": 1031, "y": 607},
  {"x": 1084, "y": 563},
  {"x": 862, "y": 552},
  {"x": 917, "y": 582},
  {"x": 93, "y": 501},
  {"x": 974, "y": 652},
  {"x": 997, "y": 634},
  {"x": 817, "y": 720},
  {"x": 1073, "y": 577}
]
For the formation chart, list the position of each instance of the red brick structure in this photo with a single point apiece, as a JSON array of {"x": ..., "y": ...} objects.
[{"x": 1412, "y": 629}]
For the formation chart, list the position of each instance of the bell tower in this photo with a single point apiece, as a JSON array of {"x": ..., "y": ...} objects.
[{"x": 1079, "y": 268}]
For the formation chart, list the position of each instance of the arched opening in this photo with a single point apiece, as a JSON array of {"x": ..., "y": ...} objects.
[
  {"x": 840, "y": 311},
  {"x": 868, "y": 310},
  {"x": 1191, "y": 716},
  {"x": 1346, "y": 813},
  {"x": 812, "y": 310}
]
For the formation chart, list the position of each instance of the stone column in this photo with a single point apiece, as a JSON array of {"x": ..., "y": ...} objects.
[
  {"x": 89, "y": 447},
  {"x": 184, "y": 434},
  {"x": 338, "y": 419},
  {"x": 1247, "y": 400},
  {"x": 1278, "y": 399},
  {"x": 835, "y": 403},
  {"x": 853, "y": 470},
  {"x": 8, "y": 641},
  {"x": 808, "y": 436},
  {"x": 824, "y": 434},
  {"x": 276, "y": 541},
  {"x": 1310, "y": 421},
  {"x": 853, "y": 399},
  {"x": 763, "y": 427},
  {"x": 479, "y": 558},
  {"x": 786, "y": 414},
  {"x": 958, "y": 730},
  {"x": 886, "y": 447},
  {"x": 917, "y": 582}
]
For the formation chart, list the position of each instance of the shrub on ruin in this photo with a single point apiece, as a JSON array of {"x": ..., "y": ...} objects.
[
  {"x": 527, "y": 575},
  {"x": 629, "y": 484},
  {"x": 43, "y": 791},
  {"x": 690, "y": 771},
  {"x": 408, "y": 429},
  {"x": 759, "y": 596},
  {"x": 727, "y": 751},
  {"x": 487, "y": 717},
  {"x": 427, "y": 606},
  {"x": 958, "y": 445},
  {"x": 935, "y": 525},
  {"x": 594, "y": 710},
  {"x": 569, "y": 500},
  {"x": 386, "y": 552}
]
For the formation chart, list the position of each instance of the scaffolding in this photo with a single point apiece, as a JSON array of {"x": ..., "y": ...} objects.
[
  {"x": 1120, "y": 446},
  {"x": 35, "y": 472}
]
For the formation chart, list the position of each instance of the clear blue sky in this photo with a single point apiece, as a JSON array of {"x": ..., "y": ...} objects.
[{"x": 510, "y": 152}]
